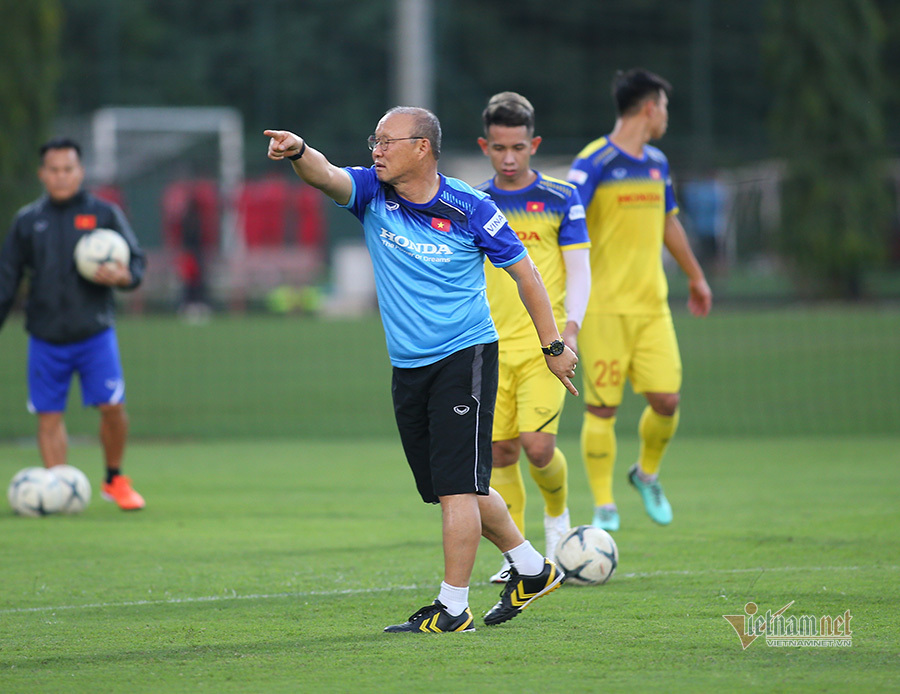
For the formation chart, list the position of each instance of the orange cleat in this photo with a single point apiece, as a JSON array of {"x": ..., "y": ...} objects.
[{"x": 121, "y": 491}]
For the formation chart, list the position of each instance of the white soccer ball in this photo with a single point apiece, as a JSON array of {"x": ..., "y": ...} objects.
[
  {"x": 76, "y": 488},
  {"x": 587, "y": 555},
  {"x": 35, "y": 491},
  {"x": 97, "y": 248}
]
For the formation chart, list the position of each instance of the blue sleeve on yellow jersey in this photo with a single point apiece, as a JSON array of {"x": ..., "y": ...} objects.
[
  {"x": 657, "y": 156},
  {"x": 587, "y": 170},
  {"x": 572, "y": 228}
]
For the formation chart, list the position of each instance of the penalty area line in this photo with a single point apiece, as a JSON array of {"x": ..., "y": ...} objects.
[{"x": 388, "y": 589}]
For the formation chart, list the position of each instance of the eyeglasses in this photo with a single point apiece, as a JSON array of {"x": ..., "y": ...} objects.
[{"x": 385, "y": 142}]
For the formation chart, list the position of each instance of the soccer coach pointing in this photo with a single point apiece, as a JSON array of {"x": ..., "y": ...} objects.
[{"x": 427, "y": 235}]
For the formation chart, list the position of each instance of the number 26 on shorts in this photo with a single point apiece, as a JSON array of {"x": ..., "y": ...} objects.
[{"x": 608, "y": 373}]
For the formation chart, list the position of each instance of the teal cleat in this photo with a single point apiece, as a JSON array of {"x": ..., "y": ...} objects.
[
  {"x": 655, "y": 501},
  {"x": 606, "y": 518}
]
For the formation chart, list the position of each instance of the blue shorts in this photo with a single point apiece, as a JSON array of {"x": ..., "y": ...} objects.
[{"x": 50, "y": 369}]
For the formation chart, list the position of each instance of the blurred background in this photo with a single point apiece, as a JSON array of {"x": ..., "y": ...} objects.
[{"x": 257, "y": 318}]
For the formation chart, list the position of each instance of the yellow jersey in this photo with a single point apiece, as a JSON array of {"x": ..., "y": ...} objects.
[
  {"x": 548, "y": 218},
  {"x": 627, "y": 201}
]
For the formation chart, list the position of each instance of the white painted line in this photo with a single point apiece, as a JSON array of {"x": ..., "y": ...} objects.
[{"x": 388, "y": 589}]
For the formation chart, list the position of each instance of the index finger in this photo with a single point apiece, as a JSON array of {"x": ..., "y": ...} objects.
[{"x": 569, "y": 385}]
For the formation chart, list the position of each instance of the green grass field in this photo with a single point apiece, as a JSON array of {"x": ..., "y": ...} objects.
[
  {"x": 272, "y": 566},
  {"x": 779, "y": 372}
]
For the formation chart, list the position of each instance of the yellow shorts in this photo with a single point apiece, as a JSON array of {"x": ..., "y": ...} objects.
[
  {"x": 529, "y": 397},
  {"x": 642, "y": 348}
]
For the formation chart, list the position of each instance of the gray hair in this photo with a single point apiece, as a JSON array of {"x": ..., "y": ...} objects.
[{"x": 426, "y": 125}]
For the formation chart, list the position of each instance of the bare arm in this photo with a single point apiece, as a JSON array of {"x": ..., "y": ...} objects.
[
  {"x": 537, "y": 303},
  {"x": 700, "y": 299},
  {"x": 312, "y": 167}
]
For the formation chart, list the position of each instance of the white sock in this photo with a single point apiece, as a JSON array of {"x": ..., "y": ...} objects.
[
  {"x": 644, "y": 477},
  {"x": 456, "y": 600},
  {"x": 526, "y": 559}
]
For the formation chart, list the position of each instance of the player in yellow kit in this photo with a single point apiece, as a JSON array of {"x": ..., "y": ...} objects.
[
  {"x": 628, "y": 332},
  {"x": 548, "y": 217}
]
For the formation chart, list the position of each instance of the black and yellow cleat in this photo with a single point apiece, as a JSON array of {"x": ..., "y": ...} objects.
[
  {"x": 433, "y": 619},
  {"x": 520, "y": 591}
]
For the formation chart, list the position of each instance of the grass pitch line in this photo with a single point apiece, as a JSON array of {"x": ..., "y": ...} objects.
[
  {"x": 759, "y": 569},
  {"x": 212, "y": 598},
  {"x": 388, "y": 589}
]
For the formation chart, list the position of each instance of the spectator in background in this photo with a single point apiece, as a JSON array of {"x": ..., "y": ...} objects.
[
  {"x": 704, "y": 203},
  {"x": 628, "y": 332},
  {"x": 194, "y": 306},
  {"x": 70, "y": 320}
]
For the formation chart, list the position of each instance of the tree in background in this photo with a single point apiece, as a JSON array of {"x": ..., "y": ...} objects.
[
  {"x": 827, "y": 120},
  {"x": 29, "y": 54}
]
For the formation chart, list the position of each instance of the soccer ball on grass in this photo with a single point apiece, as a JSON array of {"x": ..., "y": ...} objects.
[
  {"x": 97, "y": 248},
  {"x": 35, "y": 491},
  {"x": 76, "y": 488},
  {"x": 587, "y": 555}
]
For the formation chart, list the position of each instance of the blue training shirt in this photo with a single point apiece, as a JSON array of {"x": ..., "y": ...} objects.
[{"x": 429, "y": 264}]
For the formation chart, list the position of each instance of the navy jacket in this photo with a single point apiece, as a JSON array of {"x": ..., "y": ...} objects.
[{"x": 62, "y": 306}]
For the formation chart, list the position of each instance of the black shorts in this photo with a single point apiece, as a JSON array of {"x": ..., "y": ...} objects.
[{"x": 445, "y": 414}]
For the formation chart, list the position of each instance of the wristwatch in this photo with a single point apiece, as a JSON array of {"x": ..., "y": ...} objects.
[{"x": 555, "y": 348}]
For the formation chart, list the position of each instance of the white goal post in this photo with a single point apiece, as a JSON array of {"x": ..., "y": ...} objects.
[{"x": 174, "y": 129}]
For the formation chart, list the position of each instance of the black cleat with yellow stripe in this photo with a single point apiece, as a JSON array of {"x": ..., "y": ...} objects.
[
  {"x": 433, "y": 619},
  {"x": 520, "y": 591}
]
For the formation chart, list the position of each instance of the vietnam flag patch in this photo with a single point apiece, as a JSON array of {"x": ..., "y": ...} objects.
[
  {"x": 85, "y": 222},
  {"x": 440, "y": 224},
  {"x": 534, "y": 206}
]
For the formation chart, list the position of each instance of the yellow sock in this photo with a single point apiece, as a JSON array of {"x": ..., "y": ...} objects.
[
  {"x": 508, "y": 482},
  {"x": 655, "y": 431},
  {"x": 552, "y": 480},
  {"x": 598, "y": 448}
]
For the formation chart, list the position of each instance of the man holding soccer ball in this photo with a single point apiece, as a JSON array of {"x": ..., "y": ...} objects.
[
  {"x": 70, "y": 320},
  {"x": 428, "y": 235}
]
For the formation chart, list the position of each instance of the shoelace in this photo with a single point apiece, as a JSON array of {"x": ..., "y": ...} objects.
[
  {"x": 427, "y": 610},
  {"x": 656, "y": 490},
  {"x": 509, "y": 575}
]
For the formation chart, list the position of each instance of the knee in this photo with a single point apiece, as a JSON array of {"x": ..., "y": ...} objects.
[
  {"x": 602, "y": 412},
  {"x": 50, "y": 421},
  {"x": 505, "y": 453},
  {"x": 664, "y": 404},
  {"x": 540, "y": 453},
  {"x": 113, "y": 413}
]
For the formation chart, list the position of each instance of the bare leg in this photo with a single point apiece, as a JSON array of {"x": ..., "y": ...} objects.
[
  {"x": 496, "y": 523},
  {"x": 52, "y": 438},
  {"x": 461, "y": 534},
  {"x": 113, "y": 434}
]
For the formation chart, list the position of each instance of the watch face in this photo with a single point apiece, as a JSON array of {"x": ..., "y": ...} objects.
[{"x": 557, "y": 347}]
